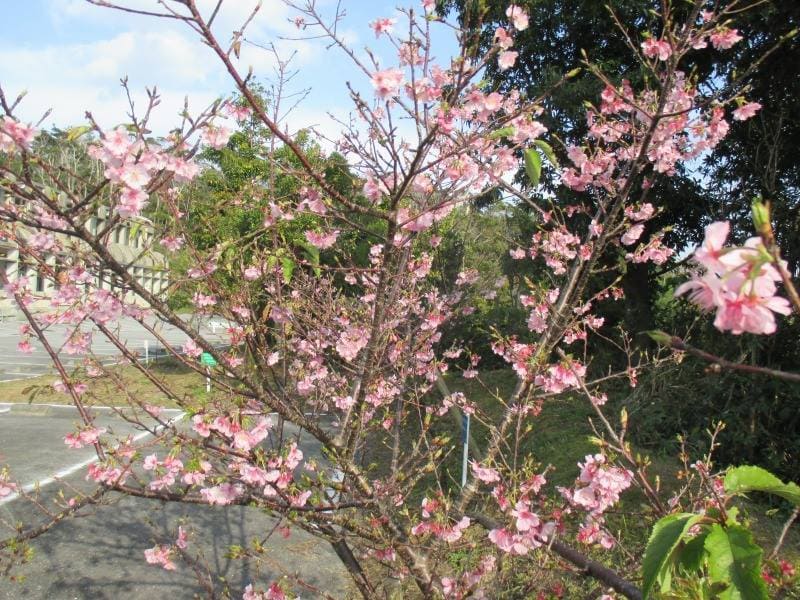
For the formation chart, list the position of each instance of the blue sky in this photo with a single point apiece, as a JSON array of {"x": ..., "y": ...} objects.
[{"x": 70, "y": 55}]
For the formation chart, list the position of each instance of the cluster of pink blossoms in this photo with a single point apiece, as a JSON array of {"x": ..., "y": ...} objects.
[
  {"x": 465, "y": 586},
  {"x": 561, "y": 376},
  {"x": 7, "y": 487},
  {"x": 436, "y": 522},
  {"x": 596, "y": 490},
  {"x": 737, "y": 282},
  {"x": 15, "y": 135},
  {"x": 529, "y": 531},
  {"x": 131, "y": 164},
  {"x": 161, "y": 555},
  {"x": 274, "y": 592}
]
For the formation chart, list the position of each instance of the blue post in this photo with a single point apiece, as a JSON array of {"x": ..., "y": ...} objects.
[{"x": 465, "y": 442}]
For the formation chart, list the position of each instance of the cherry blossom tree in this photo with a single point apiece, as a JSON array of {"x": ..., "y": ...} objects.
[{"x": 345, "y": 345}]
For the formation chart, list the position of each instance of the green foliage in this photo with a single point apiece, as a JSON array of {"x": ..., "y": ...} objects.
[
  {"x": 735, "y": 560},
  {"x": 745, "y": 479},
  {"x": 659, "y": 558},
  {"x": 761, "y": 414},
  {"x": 547, "y": 150},
  {"x": 712, "y": 552},
  {"x": 533, "y": 166}
]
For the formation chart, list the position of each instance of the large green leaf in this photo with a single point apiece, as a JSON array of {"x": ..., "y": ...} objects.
[
  {"x": 734, "y": 559},
  {"x": 287, "y": 265},
  {"x": 693, "y": 554},
  {"x": 548, "y": 152},
  {"x": 533, "y": 166},
  {"x": 740, "y": 480},
  {"x": 657, "y": 564}
]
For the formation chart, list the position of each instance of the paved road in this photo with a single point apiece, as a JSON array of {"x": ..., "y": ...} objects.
[
  {"x": 99, "y": 555},
  {"x": 14, "y": 365}
]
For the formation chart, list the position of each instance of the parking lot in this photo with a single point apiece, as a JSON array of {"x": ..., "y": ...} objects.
[
  {"x": 15, "y": 365},
  {"x": 99, "y": 554}
]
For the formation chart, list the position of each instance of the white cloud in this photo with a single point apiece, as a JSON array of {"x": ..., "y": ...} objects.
[
  {"x": 74, "y": 77},
  {"x": 98, "y": 46}
]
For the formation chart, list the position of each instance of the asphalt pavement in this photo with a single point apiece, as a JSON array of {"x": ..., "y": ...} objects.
[{"x": 99, "y": 554}]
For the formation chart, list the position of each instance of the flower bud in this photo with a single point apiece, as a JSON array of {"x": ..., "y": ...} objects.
[{"x": 760, "y": 212}]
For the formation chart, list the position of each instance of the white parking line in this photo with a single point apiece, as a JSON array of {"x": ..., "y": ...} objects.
[
  {"x": 74, "y": 468},
  {"x": 12, "y": 404}
]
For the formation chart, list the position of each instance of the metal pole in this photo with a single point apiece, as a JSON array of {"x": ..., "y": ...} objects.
[
  {"x": 465, "y": 442},
  {"x": 147, "y": 352},
  {"x": 208, "y": 379}
]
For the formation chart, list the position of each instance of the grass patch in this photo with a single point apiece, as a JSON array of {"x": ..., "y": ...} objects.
[
  {"x": 559, "y": 438},
  {"x": 123, "y": 382}
]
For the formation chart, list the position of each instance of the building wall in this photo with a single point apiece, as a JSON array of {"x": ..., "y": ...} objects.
[{"x": 125, "y": 243}]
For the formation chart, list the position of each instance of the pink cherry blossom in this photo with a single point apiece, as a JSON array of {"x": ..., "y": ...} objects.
[
  {"x": 653, "y": 48},
  {"x": 131, "y": 202},
  {"x": 14, "y": 134},
  {"x": 322, "y": 240},
  {"x": 517, "y": 16},
  {"x": 746, "y": 111},
  {"x": 252, "y": 273},
  {"x": 222, "y": 494},
  {"x": 173, "y": 244},
  {"x": 351, "y": 342},
  {"x": 737, "y": 282},
  {"x": 387, "y": 83},
  {"x": 190, "y": 348},
  {"x": 632, "y": 235},
  {"x": 237, "y": 112},
  {"x": 203, "y": 300},
  {"x": 383, "y": 25},
  {"x": 134, "y": 175},
  {"x": 216, "y": 137},
  {"x": 182, "y": 540},
  {"x": 374, "y": 189},
  {"x": 6, "y": 487},
  {"x": 503, "y": 39},
  {"x": 506, "y": 60},
  {"x": 160, "y": 555},
  {"x": 644, "y": 213},
  {"x": 725, "y": 38}
]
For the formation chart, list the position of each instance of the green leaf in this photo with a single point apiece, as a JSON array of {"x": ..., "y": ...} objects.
[
  {"x": 74, "y": 133},
  {"x": 740, "y": 480},
  {"x": 312, "y": 254},
  {"x": 501, "y": 133},
  {"x": 693, "y": 554},
  {"x": 287, "y": 265},
  {"x": 533, "y": 166},
  {"x": 547, "y": 149},
  {"x": 660, "y": 337},
  {"x": 135, "y": 227},
  {"x": 734, "y": 559},
  {"x": 657, "y": 564}
]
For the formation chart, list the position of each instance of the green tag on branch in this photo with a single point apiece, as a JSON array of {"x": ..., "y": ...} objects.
[{"x": 207, "y": 360}]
